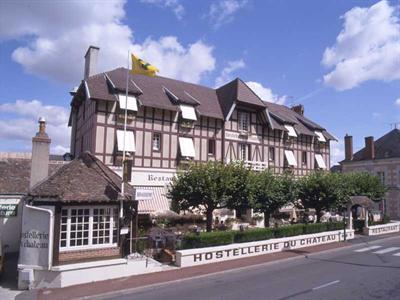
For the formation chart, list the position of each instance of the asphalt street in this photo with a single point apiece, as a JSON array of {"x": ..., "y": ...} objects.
[{"x": 367, "y": 271}]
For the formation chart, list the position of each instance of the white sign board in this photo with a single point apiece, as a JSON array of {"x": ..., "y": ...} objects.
[
  {"x": 382, "y": 229},
  {"x": 149, "y": 177},
  {"x": 35, "y": 238},
  {"x": 236, "y": 136},
  {"x": 200, "y": 256}
]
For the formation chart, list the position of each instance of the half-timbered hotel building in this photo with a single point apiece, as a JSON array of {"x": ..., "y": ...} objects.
[{"x": 171, "y": 123}]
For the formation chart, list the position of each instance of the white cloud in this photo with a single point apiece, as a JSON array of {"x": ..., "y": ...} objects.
[
  {"x": 19, "y": 122},
  {"x": 57, "y": 35},
  {"x": 265, "y": 93},
  {"x": 367, "y": 48},
  {"x": 174, "y": 5},
  {"x": 397, "y": 102},
  {"x": 337, "y": 152},
  {"x": 226, "y": 74},
  {"x": 223, "y": 11}
]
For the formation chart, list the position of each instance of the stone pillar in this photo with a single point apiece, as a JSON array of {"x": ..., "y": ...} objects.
[
  {"x": 366, "y": 218},
  {"x": 350, "y": 218}
]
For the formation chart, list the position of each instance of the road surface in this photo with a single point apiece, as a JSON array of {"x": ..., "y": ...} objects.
[{"x": 367, "y": 271}]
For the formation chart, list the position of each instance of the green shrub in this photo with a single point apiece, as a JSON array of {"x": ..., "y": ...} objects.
[
  {"x": 257, "y": 234},
  {"x": 386, "y": 219},
  {"x": 219, "y": 238},
  {"x": 207, "y": 239},
  {"x": 358, "y": 225},
  {"x": 289, "y": 230}
]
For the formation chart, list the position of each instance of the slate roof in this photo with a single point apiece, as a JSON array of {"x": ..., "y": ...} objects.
[
  {"x": 388, "y": 146},
  {"x": 85, "y": 179},
  {"x": 216, "y": 103},
  {"x": 15, "y": 174}
]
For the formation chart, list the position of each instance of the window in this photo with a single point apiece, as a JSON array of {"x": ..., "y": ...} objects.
[
  {"x": 243, "y": 152},
  {"x": 156, "y": 142},
  {"x": 320, "y": 161},
  {"x": 271, "y": 154},
  {"x": 304, "y": 157},
  {"x": 88, "y": 227},
  {"x": 129, "y": 104},
  {"x": 243, "y": 119},
  {"x": 188, "y": 112},
  {"x": 291, "y": 160},
  {"x": 211, "y": 147},
  {"x": 381, "y": 176},
  {"x": 290, "y": 130},
  {"x": 320, "y": 136},
  {"x": 129, "y": 141},
  {"x": 186, "y": 147}
]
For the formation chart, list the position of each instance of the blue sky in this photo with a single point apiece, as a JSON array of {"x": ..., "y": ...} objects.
[{"x": 341, "y": 59}]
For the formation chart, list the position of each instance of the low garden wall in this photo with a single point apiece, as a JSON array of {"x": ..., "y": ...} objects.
[
  {"x": 229, "y": 251},
  {"x": 391, "y": 227}
]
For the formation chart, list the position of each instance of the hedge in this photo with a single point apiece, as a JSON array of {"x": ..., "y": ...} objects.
[{"x": 219, "y": 238}]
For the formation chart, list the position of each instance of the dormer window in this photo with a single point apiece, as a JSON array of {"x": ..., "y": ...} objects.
[
  {"x": 243, "y": 121},
  {"x": 129, "y": 104},
  {"x": 320, "y": 136},
  {"x": 290, "y": 131},
  {"x": 188, "y": 112}
]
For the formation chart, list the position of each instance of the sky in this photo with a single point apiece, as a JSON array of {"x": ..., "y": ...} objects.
[{"x": 339, "y": 58}]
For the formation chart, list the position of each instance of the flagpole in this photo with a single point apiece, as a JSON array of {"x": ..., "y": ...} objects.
[{"x": 123, "y": 149}]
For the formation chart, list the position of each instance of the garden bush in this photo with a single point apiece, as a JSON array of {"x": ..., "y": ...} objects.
[
  {"x": 207, "y": 239},
  {"x": 219, "y": 238},
  {"x": 251, "y": 235}
]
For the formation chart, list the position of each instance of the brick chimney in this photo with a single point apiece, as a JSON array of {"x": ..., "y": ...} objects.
[
  {"x": 40, "y": 154},
  {"x": 91, "y": 61},
  {"x": 369, "y": 148},
  {"x": 298, "y": 109},
  {"x": 348, "y": 147}
]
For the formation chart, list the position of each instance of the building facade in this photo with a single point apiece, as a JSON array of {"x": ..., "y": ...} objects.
[
  {"x": 381, "y": 158},
  {"x": 171, "y": 123}
]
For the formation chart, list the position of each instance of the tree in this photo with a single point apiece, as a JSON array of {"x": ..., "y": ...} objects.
[
  {"x": 363, "y": 184},
  {"x": 321, "y": 191},
  {"x": 270, "y": 192},
  {"x": 208, "y": 187}
]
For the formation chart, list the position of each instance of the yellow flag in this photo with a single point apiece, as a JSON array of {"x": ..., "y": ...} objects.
[{"x": 139, "y": 66}]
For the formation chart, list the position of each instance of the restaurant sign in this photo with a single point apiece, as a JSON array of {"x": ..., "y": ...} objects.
[{"x": 192, "y": 257}]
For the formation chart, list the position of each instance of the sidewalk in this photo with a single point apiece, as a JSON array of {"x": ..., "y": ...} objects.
[{"x": 102, "y": 287}]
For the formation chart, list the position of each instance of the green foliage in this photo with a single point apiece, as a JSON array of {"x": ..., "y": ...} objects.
[
  {"x": 257, "y": 234},
  {"x": 363, "y": 184},
  {"x": 219, "y": 238},
  {"x": 209, "y": 186},
  {"x": 321, "y": 191},
  {"x": 289, "y": 230},
  {"x": 207, "y": 239},
  {"x": 270, "y": 192}
]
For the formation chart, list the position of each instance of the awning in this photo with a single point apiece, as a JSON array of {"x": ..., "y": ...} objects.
[
  {"x": 290, "y": 158},
  {"x": 188, "y": 112},
  {"x": 131, "y": 104},
  {"x": 187, "y": 147},
  {"x": 291, "y": 131},
  {"x": 158, "y": 203},
  {"x": 129, "y": 141},
  {"x": 320, "y": 161},
  {"x": 320, "y": 136}
]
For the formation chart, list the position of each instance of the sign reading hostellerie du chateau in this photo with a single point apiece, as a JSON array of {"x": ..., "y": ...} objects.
[{"x": 35, "y": 239}]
